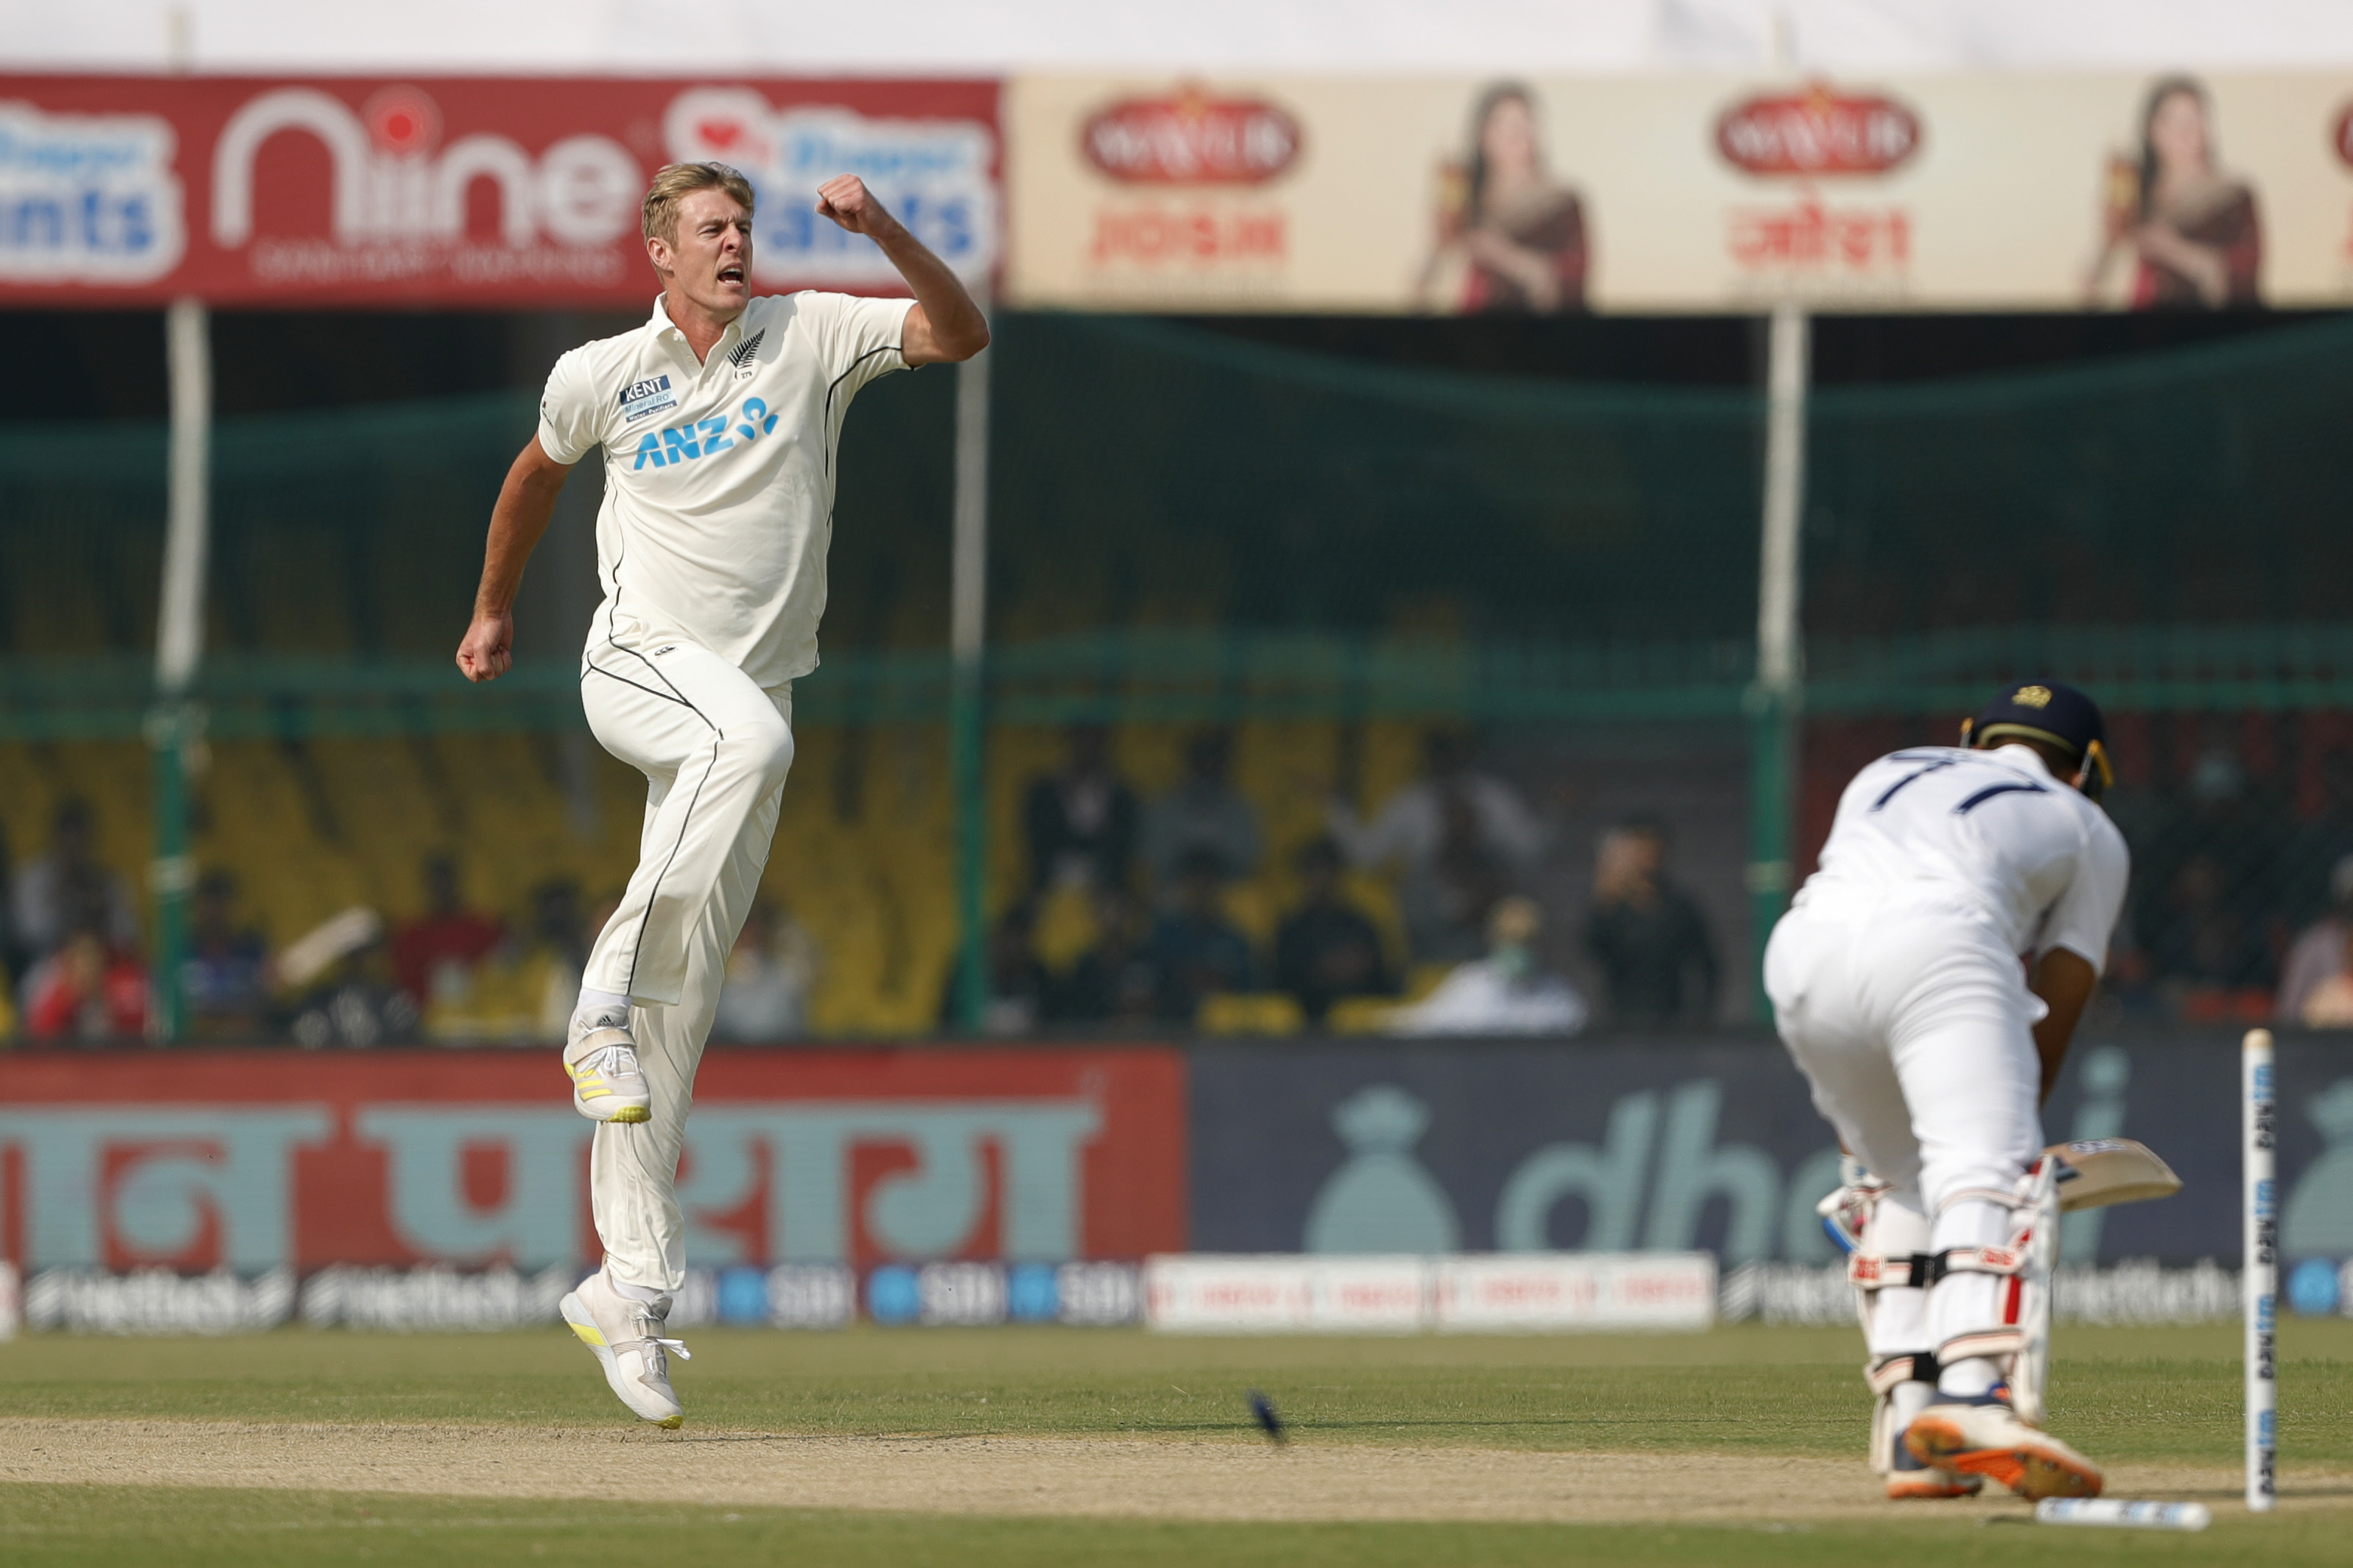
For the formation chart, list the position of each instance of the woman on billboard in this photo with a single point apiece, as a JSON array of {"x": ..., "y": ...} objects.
[
  {"x": 2192, "y": 230},
  {"x": 1511, "y": 238}
]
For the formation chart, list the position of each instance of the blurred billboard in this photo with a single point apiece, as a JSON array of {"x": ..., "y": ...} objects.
[
  {"x": 1665, "y": 1145},
  {"x": 1633, "y": 194},
  {"x": 253, "y": 1162},
  {"x": 482, "y": 191},
  {"x": 1685, "y": 194}
]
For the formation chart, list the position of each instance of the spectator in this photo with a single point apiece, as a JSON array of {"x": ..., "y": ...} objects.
[
  {"x": 90, "y": 988},
  {"x": 341, "y": 969},
  {"x": 1195, "y": 951},
  {"x": 1412, "y": 827},
  {"x": 49, "y": 891},
  {"x": 1114, "y": 981},
  {"x": 550, "y": 967},
  {"x": 2330, "y": 1004},
  {"x": 225, "y": 981},
  {"x": 1503, "y": 993},
  {"x": 2319, "y": 956},
  {"x": 1325, "y": 949},
  {"x": 12, "y": 953},
  {"x": 1446, "y": 902},
  {"x": 1647, "y": 935},
  {"x": 1459, "y": 838},
  {"x": 435, "y": 954},
  {"x": 1021, "y": 995},
  {"x": 524, "y": 990},
  {"x": 770, "y": 976},
  {"x": 1202, "y": 811},
  {"x": 2204, "y": 940},
  {"x": 1081, "y": 822}
]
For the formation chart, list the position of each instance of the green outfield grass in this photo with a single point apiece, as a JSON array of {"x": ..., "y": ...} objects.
[
  {"x": 2123, "y": 1394},
  {"x": 56, "y": 1525}
]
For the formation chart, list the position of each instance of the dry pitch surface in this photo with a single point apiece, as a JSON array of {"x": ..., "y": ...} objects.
[{"x": 1046, "y": 1445}]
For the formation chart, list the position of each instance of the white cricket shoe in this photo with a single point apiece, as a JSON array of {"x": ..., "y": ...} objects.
[
  {"x": 1911, "y": 1481},
  {"x": 626, "y": 1337},
  {"x": 1989, "y": 1439},
  {"x": 601, "y": 1060}
]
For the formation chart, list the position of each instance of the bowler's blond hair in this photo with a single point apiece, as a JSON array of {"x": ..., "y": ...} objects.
[{"x": 676, "y": 181}]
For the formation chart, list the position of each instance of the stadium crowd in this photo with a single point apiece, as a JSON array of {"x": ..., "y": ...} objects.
[
  {"x": 1424, "y": 914},
  {"x": 448, "y": 974}
]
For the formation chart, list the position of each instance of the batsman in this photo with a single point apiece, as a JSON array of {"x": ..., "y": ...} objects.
[{"x": 1928, "y": 979}]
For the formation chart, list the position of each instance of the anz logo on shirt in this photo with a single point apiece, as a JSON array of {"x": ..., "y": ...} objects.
[{"x": 684, "y": 443}]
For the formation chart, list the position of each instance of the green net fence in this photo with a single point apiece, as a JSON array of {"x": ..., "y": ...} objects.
[{"x": 1331, "y": 557}]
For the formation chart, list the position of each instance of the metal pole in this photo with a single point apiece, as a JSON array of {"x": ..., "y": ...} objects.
[
  {"x": 1779, "y": 695},
  {"x": 968, "y": 712},
  {"x": 176, "y": 724}
]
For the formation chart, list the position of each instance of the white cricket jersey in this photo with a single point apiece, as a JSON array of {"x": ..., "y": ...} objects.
[
  {"x": 1935, "y": 827},
  {"x": 719, "y": 477}
]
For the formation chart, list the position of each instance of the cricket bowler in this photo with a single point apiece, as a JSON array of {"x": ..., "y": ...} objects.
[
  {"x": 1928, "y": 979},
  {"x": 718, "y": 419}
]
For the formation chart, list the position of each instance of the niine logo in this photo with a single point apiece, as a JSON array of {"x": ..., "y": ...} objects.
[
  {"x": 393, "y": 183},
  {"x": 2037, "y": 696}
]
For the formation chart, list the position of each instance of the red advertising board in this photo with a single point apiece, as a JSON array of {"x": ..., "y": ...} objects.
[
  {"x": 459, "y": 192},
  {"x": 257, "y": 1160}
]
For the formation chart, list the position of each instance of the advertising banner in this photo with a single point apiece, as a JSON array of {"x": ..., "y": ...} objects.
[
  {"x": 1488, "y": 1293},
  {"x": 460, "y": 192},
  {"x": 1691, "y": 194},
  {"x": 251, "y": 1162},
  {"x": 1675, "y": 1145}
]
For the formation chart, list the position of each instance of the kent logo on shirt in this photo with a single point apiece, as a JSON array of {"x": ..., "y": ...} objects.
[
  {"x": 640, "y": 398},
  {"x": 684, "y": 443}
]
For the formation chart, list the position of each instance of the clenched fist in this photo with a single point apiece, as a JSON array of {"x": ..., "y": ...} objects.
[{"x": 846, "y": 200}]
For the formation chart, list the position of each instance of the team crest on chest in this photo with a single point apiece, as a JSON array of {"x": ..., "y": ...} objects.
[{"x": 743, "y": 353}]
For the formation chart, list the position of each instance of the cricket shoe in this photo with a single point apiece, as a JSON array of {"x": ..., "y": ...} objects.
[
  {"x": 1912, "y": 1481},
  {"x": 601, "y": 1060},
  {"x": 1985, "y": 1438},
  {"x": 626, "y": 1339}
]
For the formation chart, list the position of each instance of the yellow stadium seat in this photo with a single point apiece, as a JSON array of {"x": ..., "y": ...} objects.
[
  {"x": 1251, "y": 1013},
  {"x": 1361, "y": 1014}
]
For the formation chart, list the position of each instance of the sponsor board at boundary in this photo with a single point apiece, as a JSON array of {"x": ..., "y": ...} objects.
[
  {"x": 257, "y": 1161},
  {"x": 1522, "y": 1295},
  {"x": 1261, "y": 1293},
  {"x": 437, "y": 1298},
  {"x": 1671, "y": 1145},
  {"x": 466, "y": 191}
]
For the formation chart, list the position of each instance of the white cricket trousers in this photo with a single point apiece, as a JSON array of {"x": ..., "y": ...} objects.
[
  {"x": 715, "y": 749},
  {"x": 1914, "y": 1027}
]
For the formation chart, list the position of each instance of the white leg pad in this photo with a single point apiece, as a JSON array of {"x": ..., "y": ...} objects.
[
  {"x": 2030, "y": 1371},
  {"x": 1895, "y": 1316},
  {"x": 1890, "y": 1304},
  {"x": 1991, "y": 1295}
]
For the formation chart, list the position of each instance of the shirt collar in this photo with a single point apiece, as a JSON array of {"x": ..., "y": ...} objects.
[
  {"x": 663, "y": 326},
  {"x": 2019, "y": 755}
]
